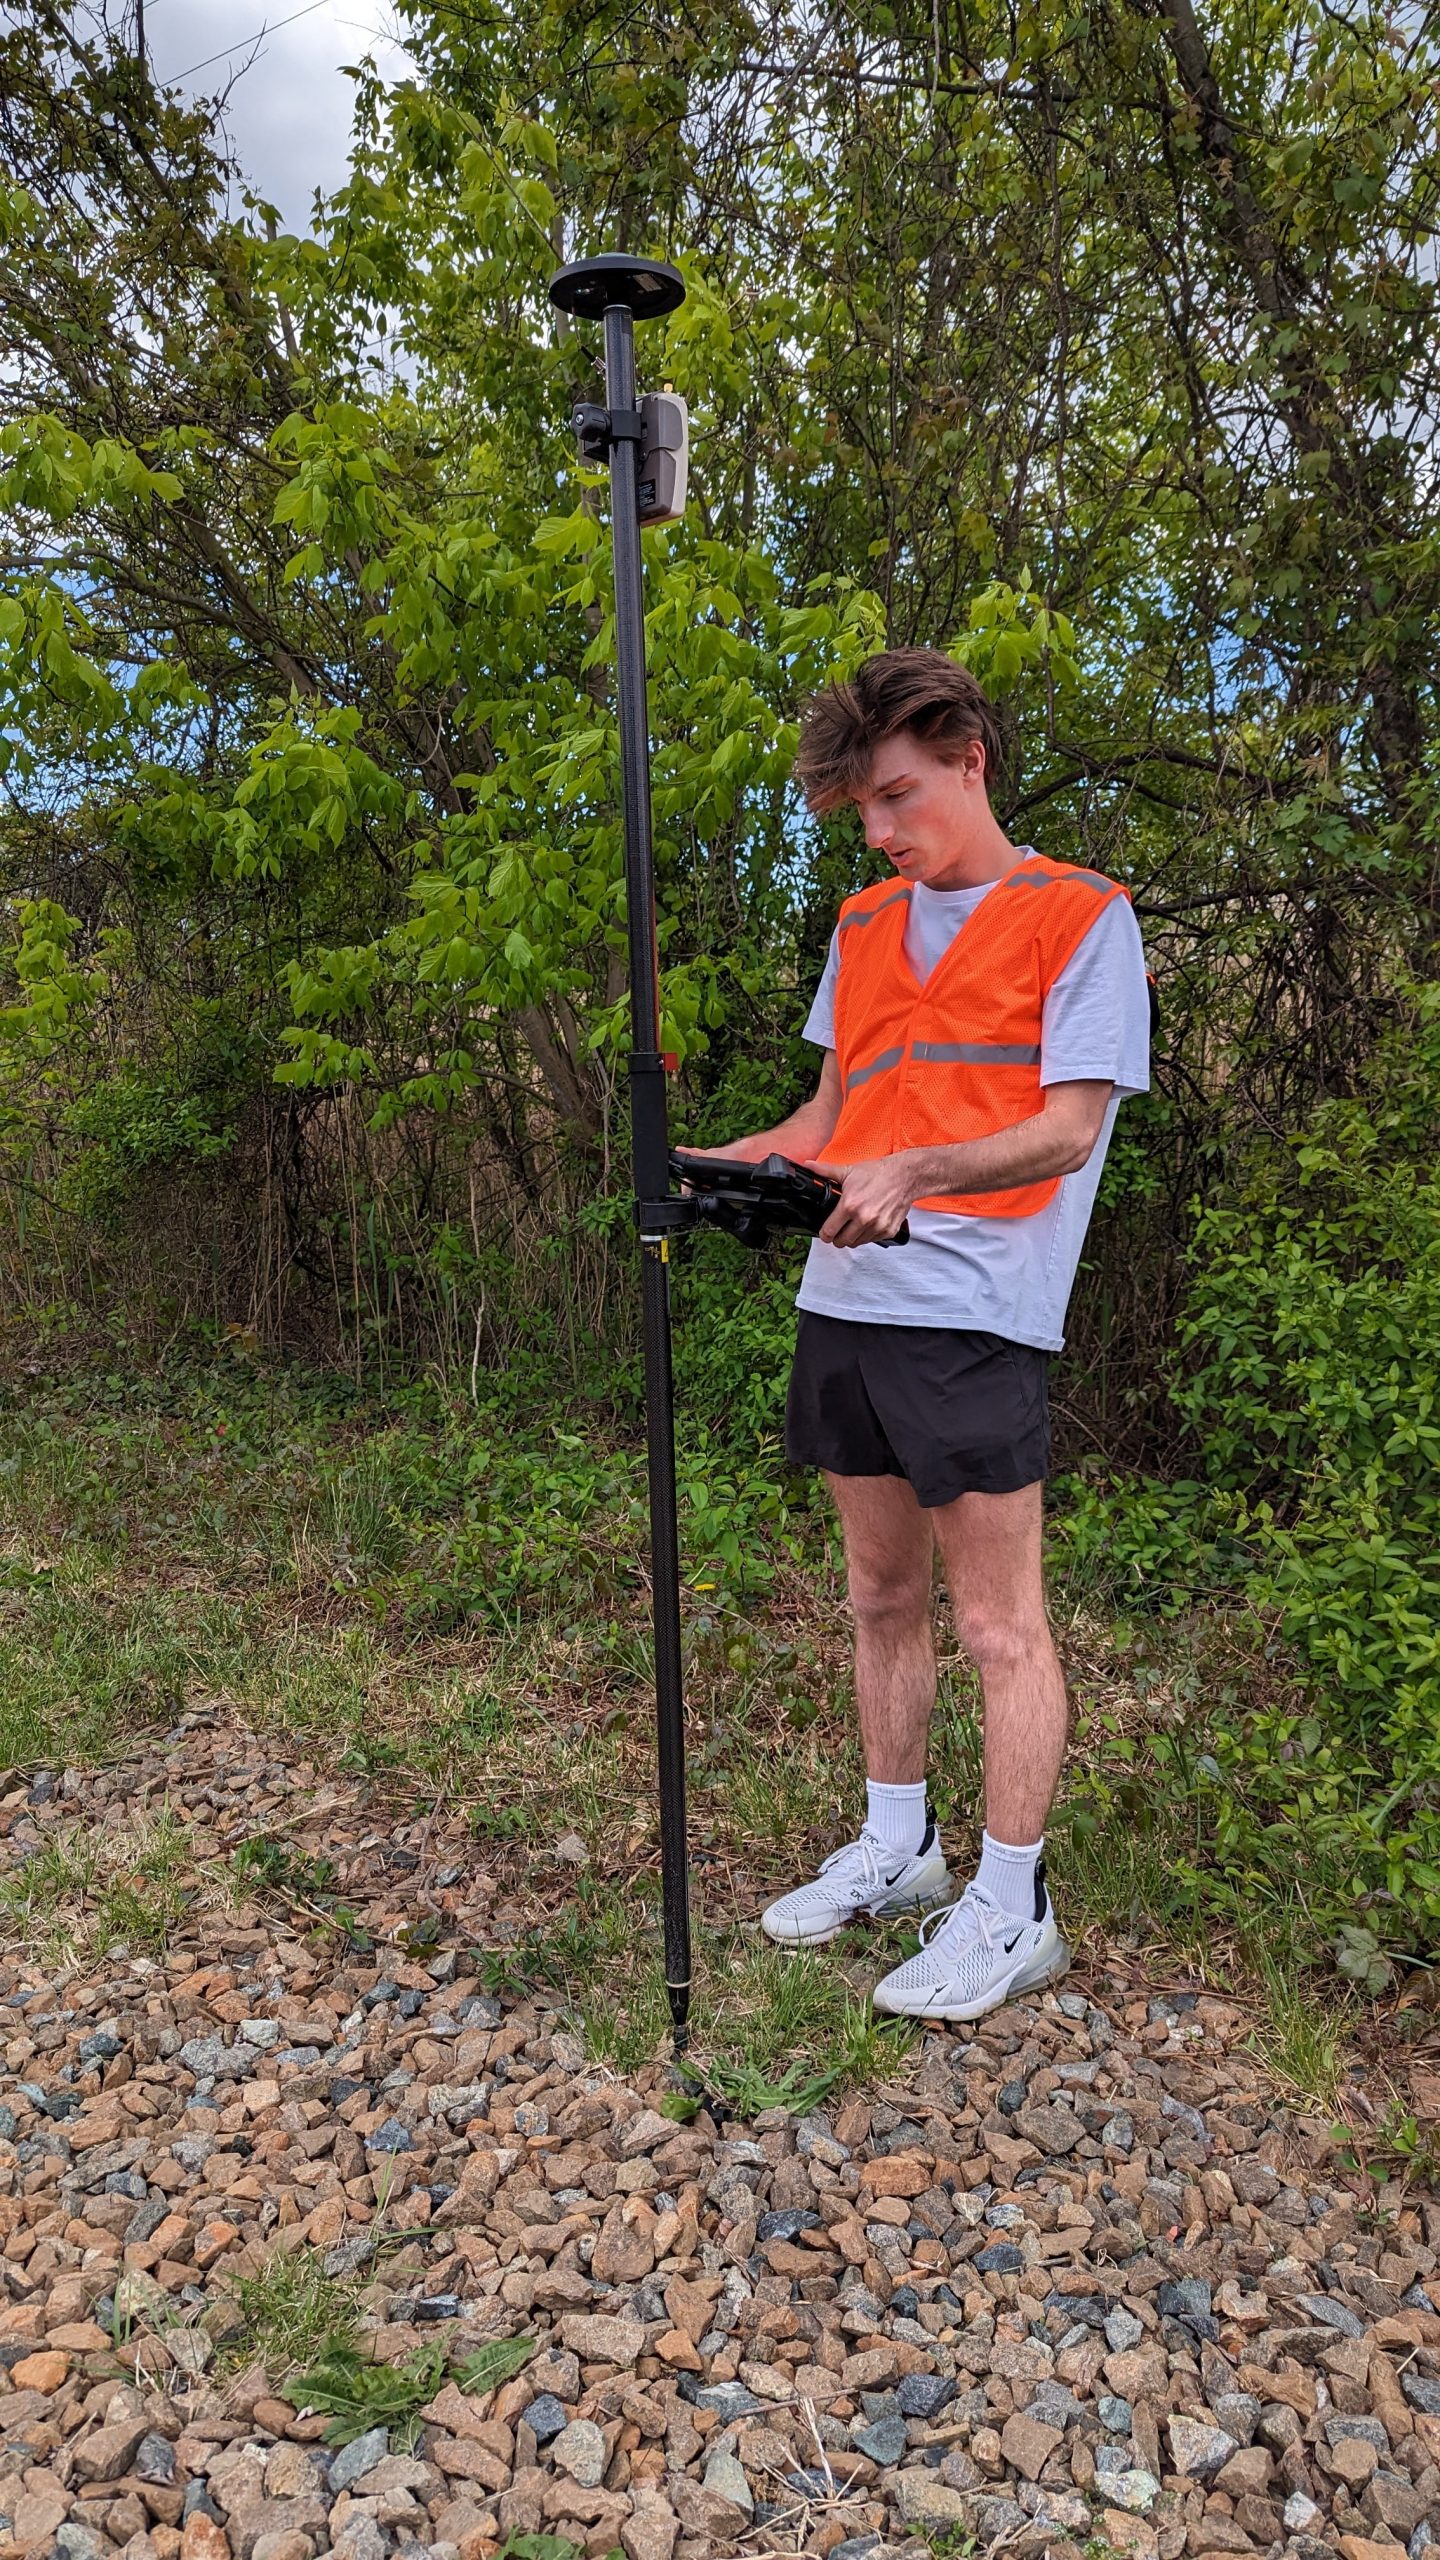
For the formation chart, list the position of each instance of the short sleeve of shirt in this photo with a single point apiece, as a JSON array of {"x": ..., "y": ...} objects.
[
  {"x": 1096, "y": 1022},
  {"x": 820, "y": 1021}
]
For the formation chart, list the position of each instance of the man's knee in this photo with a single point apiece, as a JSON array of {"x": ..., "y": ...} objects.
[
  {"x": 883, "y": 1602},
  {"x": 998, "y": 1640}
]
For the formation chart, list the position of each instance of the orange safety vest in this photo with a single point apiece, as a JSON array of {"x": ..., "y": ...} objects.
[{"x": 959, "y": 1057}]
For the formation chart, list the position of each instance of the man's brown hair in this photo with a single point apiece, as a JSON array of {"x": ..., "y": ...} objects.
[{"x": 921, "y": 690}]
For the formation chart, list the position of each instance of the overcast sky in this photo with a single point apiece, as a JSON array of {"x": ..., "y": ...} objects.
[{"x": 288, "y": 116}]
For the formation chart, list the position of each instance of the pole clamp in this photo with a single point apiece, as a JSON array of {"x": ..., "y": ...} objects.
[
  {"x": 652, "y": 1062},
  {"x": 598, "y": 428},
  {"x": 666, "y": 1217}
]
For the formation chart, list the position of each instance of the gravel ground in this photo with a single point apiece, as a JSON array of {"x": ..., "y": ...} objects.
[{"x": 1080, "y": 2282}]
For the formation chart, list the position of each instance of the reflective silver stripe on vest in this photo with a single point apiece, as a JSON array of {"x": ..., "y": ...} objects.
[
  {"x": 896, "y": 897},
  {"x": 876, "y": 1067},
  {"x": 1048, "y": 880},
  {"x": 977, "y": 1053},
  {"x": 950, "y": 1053}
]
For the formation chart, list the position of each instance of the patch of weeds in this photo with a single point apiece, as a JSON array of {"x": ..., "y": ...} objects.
[
  {"x": 341, "y": 1923},
  {"x": 139, "y": 1909},
  {"x": 538, "y": 2546},
  {"x": 60, "y": 1872},
  {"x": 599, "y": 1952},
  {"x": 291, "y": 2311},
  {"x": 782, "y": 2029},
  {"x": 369, "y": 1755},
  {"x": 82, "y": 1667},
  {"x": 1305, "y": 2041},
  {"x": 264, "y": 1864},
  {"x": 356, "y": 2395},
  {"x": 632, "y": 2030},
  {"x": 956, "y": 2542},
  {"x": 128, "y": 1916},
  {"x": 1363, "y": 1961},
  {"x": 864, "y": 2050},
  {"x": 747, "y": 2092},
  {"x": 1401, "y": 2148},
  {"x": 782, "y": 2015},
  {"x": 493, "y": 2363},
  {"x": 501, "y": 1821},
  {"x": 362, "y": 1523},
  {"x": 500, "y": 1972},
  {"x": 772, "y": 1795},
  {"x": 1125, "y": 1866},
  {"x": 83, "y": 1890}
]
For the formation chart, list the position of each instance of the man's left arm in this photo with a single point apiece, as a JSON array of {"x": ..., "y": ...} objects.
[{"x": 875, "y": 1197}]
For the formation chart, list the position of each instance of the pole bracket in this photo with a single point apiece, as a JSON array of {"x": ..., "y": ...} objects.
[
  {"x": 666, "y": 1217},
  {"x": 598, "y": 428}
]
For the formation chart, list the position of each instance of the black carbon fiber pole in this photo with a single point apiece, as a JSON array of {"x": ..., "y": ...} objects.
[{"x": 596, "y": 287}]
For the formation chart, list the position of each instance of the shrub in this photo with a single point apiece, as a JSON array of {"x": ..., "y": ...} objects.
[{"x": 1310, "y": 1357}]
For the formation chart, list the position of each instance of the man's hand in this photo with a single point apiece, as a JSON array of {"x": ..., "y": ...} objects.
[{"x": 875, "y": 1198}]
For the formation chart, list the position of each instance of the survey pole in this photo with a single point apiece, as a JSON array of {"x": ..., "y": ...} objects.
[{"x": 617, "y": 290}]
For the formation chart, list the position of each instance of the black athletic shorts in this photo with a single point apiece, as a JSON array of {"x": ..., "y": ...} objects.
[{"x": 951, "y": 1412}]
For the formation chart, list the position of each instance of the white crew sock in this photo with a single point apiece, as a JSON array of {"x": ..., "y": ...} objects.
[
  {"x": 897, "y": 1814},
  {"x": 1008, "y": 1875}
]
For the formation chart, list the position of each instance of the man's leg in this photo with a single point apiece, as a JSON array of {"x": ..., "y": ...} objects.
[
  {"x": 889, "y": 1560},
  {"x": 1001, "y": 1937},
  {"x": 897, "y": 1863},
  {"x": 991, "y": 1546}
]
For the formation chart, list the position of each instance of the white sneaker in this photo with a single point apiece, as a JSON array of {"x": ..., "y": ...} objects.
[
  {"x": 973, "y": 1957},
  {"x": 863, "y": 1877}
]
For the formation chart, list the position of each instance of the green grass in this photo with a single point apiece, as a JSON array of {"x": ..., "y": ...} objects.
[
  {"x": 83, "y": 1892},
  {"x": 771, "y": 2025},
  {"x": 1304, "y": 2037},
  {"x": 292, "y": 2314},
  {"x": 444, "y": 1603}
]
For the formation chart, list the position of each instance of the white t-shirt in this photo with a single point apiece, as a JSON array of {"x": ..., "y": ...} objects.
[{"x": 1010, "y": 1276}]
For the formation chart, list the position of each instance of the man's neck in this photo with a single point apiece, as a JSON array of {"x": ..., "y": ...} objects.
[{"x": 979, "y": 865}]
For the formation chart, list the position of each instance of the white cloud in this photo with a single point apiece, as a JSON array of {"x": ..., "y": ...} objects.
[{"x": 288, "y": 109}]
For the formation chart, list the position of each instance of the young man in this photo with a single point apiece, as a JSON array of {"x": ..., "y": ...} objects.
[{"x": 983, "y": 1012}]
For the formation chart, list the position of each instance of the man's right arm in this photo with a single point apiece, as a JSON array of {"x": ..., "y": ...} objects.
[{"x": 805, "y": 1135}]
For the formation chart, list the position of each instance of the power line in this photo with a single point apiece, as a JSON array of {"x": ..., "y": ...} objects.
[{"x": 239, "y": 47}]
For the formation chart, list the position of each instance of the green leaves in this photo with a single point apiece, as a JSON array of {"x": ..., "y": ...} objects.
[
  {"x": 1013, "y": 635},
  {"x": 55, "y": 472},
  {"x": 494, "y": 2363},
  {"x": 356, "y": 2395}
]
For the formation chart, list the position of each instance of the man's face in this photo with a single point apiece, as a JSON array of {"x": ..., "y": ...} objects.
[{"x": 922, "y": 811}]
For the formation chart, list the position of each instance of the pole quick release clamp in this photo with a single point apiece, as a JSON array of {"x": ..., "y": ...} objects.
[{"x": 597, "y": 428}]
